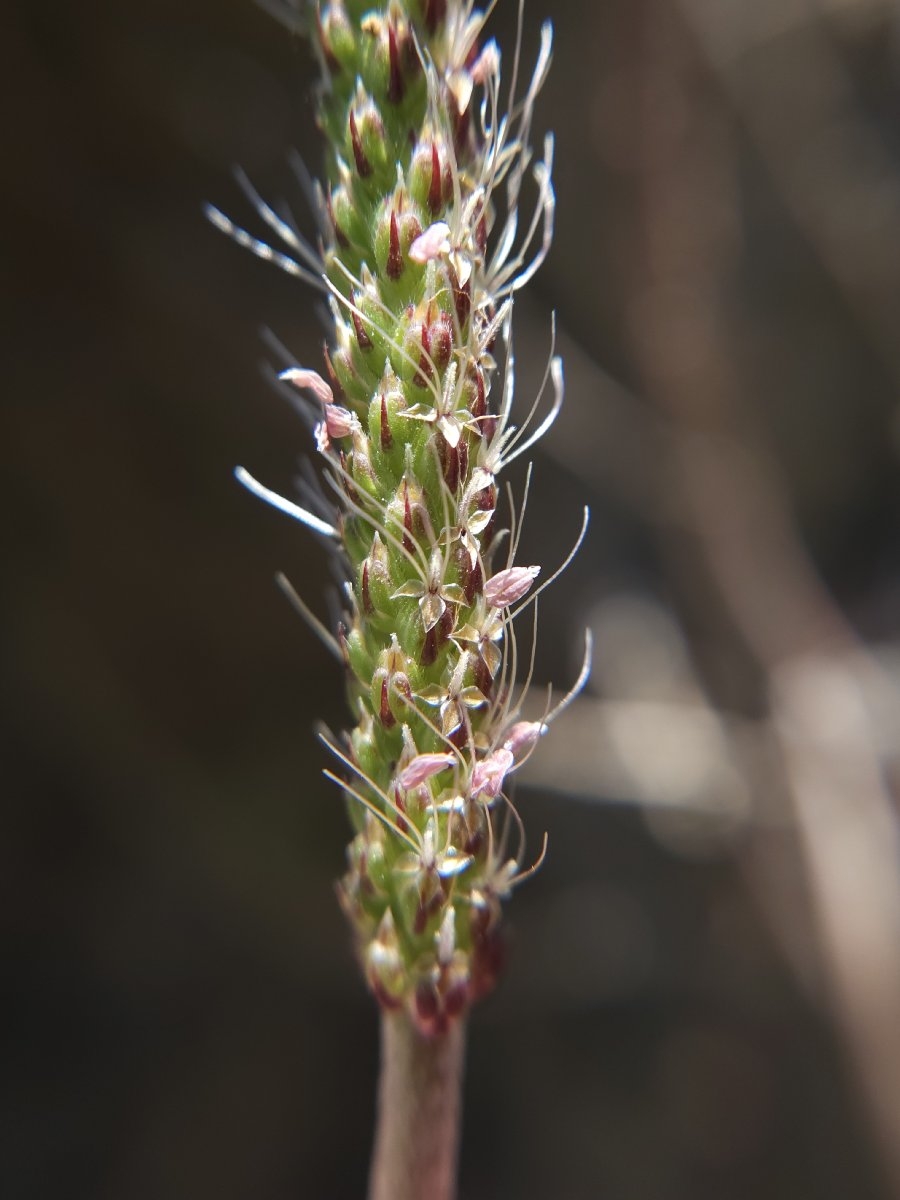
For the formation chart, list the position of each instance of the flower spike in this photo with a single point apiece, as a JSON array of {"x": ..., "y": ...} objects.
[{"x": 415, "y": 422}]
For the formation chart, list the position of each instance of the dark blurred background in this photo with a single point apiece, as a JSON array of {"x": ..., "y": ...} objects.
[{"x": 703, "y": 997}]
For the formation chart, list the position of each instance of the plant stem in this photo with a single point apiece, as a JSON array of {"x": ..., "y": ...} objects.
[{"x": 417, "y": 1127}]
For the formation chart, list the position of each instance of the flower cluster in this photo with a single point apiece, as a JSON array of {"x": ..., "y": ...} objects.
[{"x": 423, "y": 246}]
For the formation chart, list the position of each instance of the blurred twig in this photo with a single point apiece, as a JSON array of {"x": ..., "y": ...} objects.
[
  {"x": 822, "y": 687},
  {"x": 796, "y": 99}
]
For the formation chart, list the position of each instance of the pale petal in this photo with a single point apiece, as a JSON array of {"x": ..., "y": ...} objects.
[
  {"x": 493, "y": 627},
  {"x": 462, "y": 265},
  {"x": 478, "y": 521},
  {"x": 468, "y": 633},
  {"x": 432, "y": 608},
  {"x": 480, "y": 480},
  {"x": 419, "y": 412},
  {"x": 451, "y": 719},
  {"x": 411, "y": 590},
  {"x": 449, "y": 427},
  {"x": 461, "y": 84},
  {"x": 470, "y": 545},
  {"x": 492, "y": 657}
]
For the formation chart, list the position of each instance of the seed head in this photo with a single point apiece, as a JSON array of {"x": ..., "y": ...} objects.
[{"x": 414, "y": 419}]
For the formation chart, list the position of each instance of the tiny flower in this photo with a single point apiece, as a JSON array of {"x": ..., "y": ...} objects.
[
  {"x": 506, "y": 587},
  {"x": 323, "y": 441},
  {"x": 422, "y": 767},
  {"x": 453, "y": 699},
  {"x": 302, "y": 377},
  {"x": 489, "y": 773},
  {"x": 484, "y": 631},
  {"x": 450, "y": 420},
  {"x": 431, "y": 244},
  {"x": 433, "y": 593}
]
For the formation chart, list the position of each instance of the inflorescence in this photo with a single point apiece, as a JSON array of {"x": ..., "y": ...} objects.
[{"x": 422, "y": 246}]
